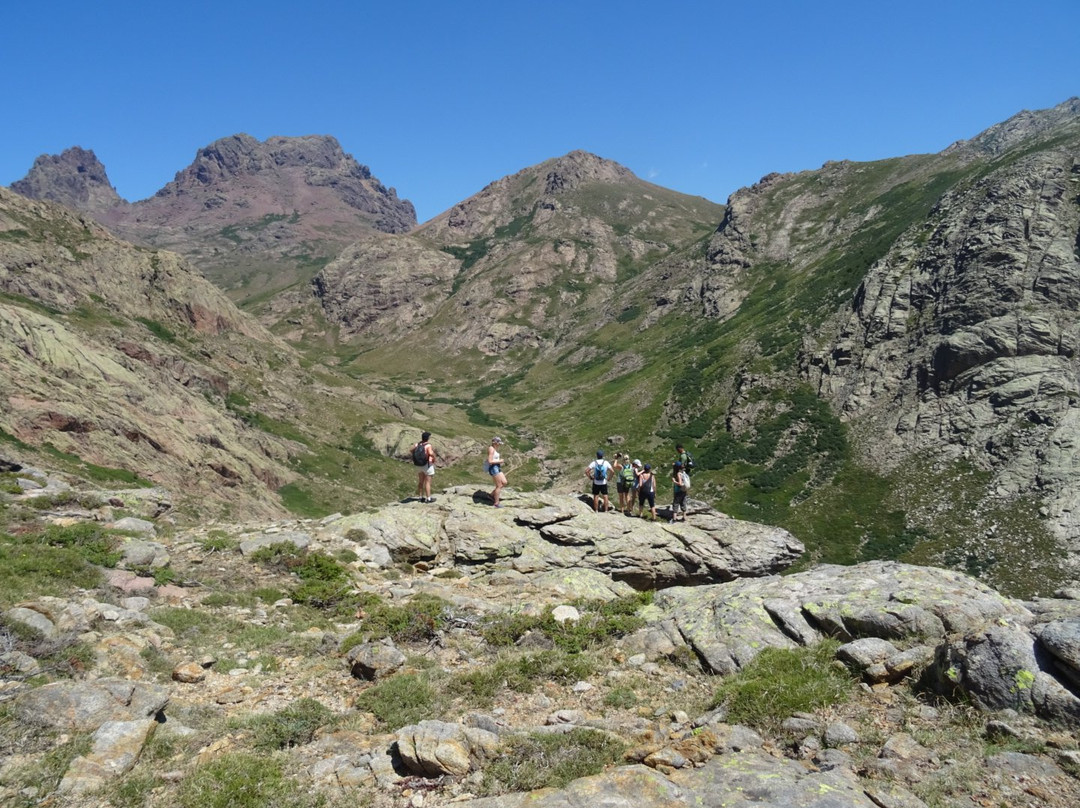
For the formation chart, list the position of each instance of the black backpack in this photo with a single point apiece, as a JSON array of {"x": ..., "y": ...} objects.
[{"x": 419, "y": 454}]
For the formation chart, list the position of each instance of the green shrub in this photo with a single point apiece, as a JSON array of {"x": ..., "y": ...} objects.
[
  {"x": 295, "y": 725},
  {"x": 621, "y": 697},
  {"x": 540, "y": 760},
  {"x": 600, "y": 623},
  {"x": 94, "y": 542},
  {"x": 779, "y": 682},
  {"x": 419, "y": 620},
  {"x": 242, "y": 780},
  {"x": 401, "y": 700},
  {"x": 217, "y": 541},
  {"x": 520, "y": 674}
]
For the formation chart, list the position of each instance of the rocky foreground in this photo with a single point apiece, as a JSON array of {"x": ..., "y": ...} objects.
[{"x": 196, "y": 640}]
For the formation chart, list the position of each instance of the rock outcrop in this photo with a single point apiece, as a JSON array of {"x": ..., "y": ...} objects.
[
  {"x": 74, "y": 178},
  {"x": 962, "y": 341},
  {"x": 538, "y": 535}
]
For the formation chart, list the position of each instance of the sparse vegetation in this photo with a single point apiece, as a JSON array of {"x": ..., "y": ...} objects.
[
  {"x": 550, "y": 761},
  {"x": 780, "y": 682}
]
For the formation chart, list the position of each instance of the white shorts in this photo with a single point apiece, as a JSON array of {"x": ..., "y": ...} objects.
[{"x": 429, "y": 470}]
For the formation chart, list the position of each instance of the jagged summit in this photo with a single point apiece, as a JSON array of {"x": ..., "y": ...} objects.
[
  {"x": 75, "y": 178},
  {"x": 242, "y": 206},
  {"x": 1021, "y": 126}
]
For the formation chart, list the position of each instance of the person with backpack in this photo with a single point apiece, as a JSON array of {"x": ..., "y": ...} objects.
[
  {"x": 681, "y": 481},
  {"x": 684, "y": 457},
  {"x": 494, "y": 468},
  {"x": 624, "y": 484},
  {"x": 646, "y": 491},
  {"x": 423, "y": 457},
  {"x": 599, "y": 471}
]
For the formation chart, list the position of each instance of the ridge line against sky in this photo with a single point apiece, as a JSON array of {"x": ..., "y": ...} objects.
[{"x": 441, "y": 99}]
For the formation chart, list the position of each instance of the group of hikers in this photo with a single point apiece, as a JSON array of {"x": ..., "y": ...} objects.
[
  {"x": 634, "y": 481},
  {"x": 637, "y": 481}
]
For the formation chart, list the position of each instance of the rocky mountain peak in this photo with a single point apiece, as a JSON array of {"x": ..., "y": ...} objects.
[
  {"x": 75, "y": 178},
  {"x": 1021, "y": 126},
  {"x": 572, "y": 170},
  {"x": 241, "y": 155}
]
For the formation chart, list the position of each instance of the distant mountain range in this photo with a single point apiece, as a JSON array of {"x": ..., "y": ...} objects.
[
  {"x": 881, "y": 357},
  {"x": 250, "y": 213}
]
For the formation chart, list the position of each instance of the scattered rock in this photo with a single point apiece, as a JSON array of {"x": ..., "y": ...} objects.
[
  {"x": 374, "y": 660},
  {"x": 435, "y": 748}
]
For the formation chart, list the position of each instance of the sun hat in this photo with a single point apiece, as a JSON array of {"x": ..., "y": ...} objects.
[
  {"x": 636, "y": 463},
  {"x": 496, "y": 440}
]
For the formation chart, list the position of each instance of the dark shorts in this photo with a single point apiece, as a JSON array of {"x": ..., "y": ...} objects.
[
  {"x": 680, "y": 502},
  {"x": 622, "y": 487},
  {"x": 599, "y": 488},
  {"x": 646, "y": 496},
  {"x": 495, "y": 469}
]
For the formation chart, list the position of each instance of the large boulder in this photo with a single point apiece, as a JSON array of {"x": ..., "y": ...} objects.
[
  {"x": 729, "y": 624},
  {"x": 435, "y": 748},
  {"x": 543, "y": 534},
  {"x": 85, "y": 706}
]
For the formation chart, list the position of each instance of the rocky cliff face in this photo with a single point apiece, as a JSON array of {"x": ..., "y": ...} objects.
[
  {"x": 75, "y": 178},
  {"x": 249, "y": 213},
  {"x": 962, "y": 341}
]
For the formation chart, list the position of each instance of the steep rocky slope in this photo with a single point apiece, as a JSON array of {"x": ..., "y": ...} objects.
[
  {"x": 926, "y": 300},
  {"x": 252, "y": 215},
  {"x": 962, "y": 341},
  {"x": 127, "y": 363},
  {"x": 535, "y": 261}
]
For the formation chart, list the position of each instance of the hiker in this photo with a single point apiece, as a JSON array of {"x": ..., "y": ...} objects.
[
  {"x": 494, "y": 468},
  {"x": 646, "y": 491},
  {"x": 625, "y": 477},
  {"x": 685, "y": 458},
  {"x": 681, "y": 481},
  {"x": 599, "y": 471},
  {"x": 616, "y": 472},
  {"x": 423, "y": 457}
]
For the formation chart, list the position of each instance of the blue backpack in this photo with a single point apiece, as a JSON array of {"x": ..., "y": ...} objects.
[{"x": 599, "y": 473}]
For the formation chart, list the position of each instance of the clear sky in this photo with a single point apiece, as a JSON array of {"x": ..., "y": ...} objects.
[{"x": 441, "y": 98}]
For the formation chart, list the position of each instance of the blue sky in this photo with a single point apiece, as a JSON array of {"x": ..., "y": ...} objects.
[{"x": 441, "y": 98}]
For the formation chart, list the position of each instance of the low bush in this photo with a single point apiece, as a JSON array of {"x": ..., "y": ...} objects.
[
  {"x": 780, "y": 682},
  {"x": 31, "y": 569},
  {"x": 550, "y": 761},
  {"x": 243, "y": 780},
  {"x": 401, "y": 700},
  {"x": 600, "y": 623},
  {"x": 295, "y": 725}
]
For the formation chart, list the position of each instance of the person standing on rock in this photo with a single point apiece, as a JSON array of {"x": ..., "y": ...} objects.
[
  {"x": 494, "y": 465},
  {"x": 681, "y": 482},
  {"x": 423, "y": 457},
  {"x": 646, "y": 491},
  {"x": 621, "y": 463},
  {"x": 599, "y": 471}
]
